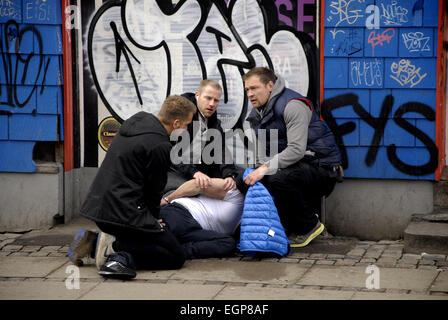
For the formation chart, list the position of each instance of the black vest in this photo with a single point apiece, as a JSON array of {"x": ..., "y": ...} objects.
[{"x": 320, "y": 138}]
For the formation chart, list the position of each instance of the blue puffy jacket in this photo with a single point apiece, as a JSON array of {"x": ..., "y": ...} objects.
[{"x": 261, "y": 229}]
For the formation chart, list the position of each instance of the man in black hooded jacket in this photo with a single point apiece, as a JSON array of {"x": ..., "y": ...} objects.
[{"x": 125, "y": 195}]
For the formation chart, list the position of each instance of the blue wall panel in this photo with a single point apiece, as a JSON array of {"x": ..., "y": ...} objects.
[
  {"x": 410, "y": 73},
  {"x": 17, "y": 156},
  {"x": 335, "y": 73},
  {"x": 42, "y": 12},
  {"x": 387, "y": 98},
  {"x": 366, "y": 73},
  {"x": 381, "y": 43},
  {"x": 11, "y": 10},
  {"x": 4, "y": 127},
  {"x": 416, "y": 42},
  {"x": 30, "y": 89},
  {"x": 431, "y": 13},
  {"x": 33, "y": 127},
  {"x": 344, "y": 42}
]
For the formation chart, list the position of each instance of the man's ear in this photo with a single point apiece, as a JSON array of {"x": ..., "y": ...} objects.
[
  {"x": 270, "y": 85},
  {"x": 176, "y": 124}
]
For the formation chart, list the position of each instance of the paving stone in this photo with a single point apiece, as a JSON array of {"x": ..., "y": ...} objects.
[
  {"x": 29, "y": 266},
  {"x": 63, "y": 249},
  {"x": 19, "y": 254},
  {"x": 50, "y": 248},
  {"x": 5, "y": 243},
  {"x": 405, "y": 265},
  {"x": 238, "y": 293},
  {"x": 426, "y": 263},
  {"x": 387, "y": 260},
  {"x": 242, "y": 271},
  {"x": 307, "y": 261},
  {"x": 31, "y": 248},
  {"x": 57, "y": 254},
  {"x": 152, "y": 291},
  {"x": 437, "y": 257},
  {"x": 372, "y": 254},
  {"x": 441, "y": 283},
  {"x": 317, "y": 256},
  {"x": 335, "y": 256},
  {"x": 356, "y": 253},
  {"x": 387, "y": 242},
  {"x": 345, "y": 262},
  {"x": 426, "y": 267},
  {"x": 411, "y": 256},
  {"x": 288, "y": 260},
  {"x": 4, "y": 236},
  {"x": 325, "y": 262},
  {"x": 4, "y": 253},
  {"x": 39, "y": 254},
  {"x": 11, "y": 247},
  {"x": 367, "y": 260},
  {"x": 299, "y": 255}
]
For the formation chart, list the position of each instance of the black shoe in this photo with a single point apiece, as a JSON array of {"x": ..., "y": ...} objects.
[{"x": 116, "y": 270}]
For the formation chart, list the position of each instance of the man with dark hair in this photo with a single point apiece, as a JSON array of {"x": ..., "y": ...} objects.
[
  {"x": 307, "y": 164},
  {"x": 124, "y": 198}
]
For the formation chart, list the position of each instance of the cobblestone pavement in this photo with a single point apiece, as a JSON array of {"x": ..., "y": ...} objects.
[{"x": 326, "y": 275}]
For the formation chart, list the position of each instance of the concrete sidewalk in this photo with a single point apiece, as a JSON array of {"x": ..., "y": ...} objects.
[{"x": 35, "y": 266}]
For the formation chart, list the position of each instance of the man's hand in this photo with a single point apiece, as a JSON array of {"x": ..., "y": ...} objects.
[
  {"x": 202, "y": 180},
  {"x": 161, "y": 222},
  {"x": 256, "y": 175},
  {"x": 229, "y": 184},
  {"x": 163, "y": 202}
]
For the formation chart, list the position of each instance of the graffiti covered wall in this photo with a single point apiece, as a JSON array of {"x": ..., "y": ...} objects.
[
  {"x": 31, "y": 107},
  {"x": 380, "y": 86},
  {"x": 138, "y": 52}
]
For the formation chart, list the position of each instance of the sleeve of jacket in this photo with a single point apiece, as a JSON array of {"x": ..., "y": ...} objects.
[
  {"x": 227, "y": 168},
  {"x": 157, "y": 171},
  {"x": 186, "y": 170}
]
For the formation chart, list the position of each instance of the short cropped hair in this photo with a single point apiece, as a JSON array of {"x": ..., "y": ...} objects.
[
  {"x": 206, "y": 82},
  {"x": 176, "y": 107},
  {"x": 264, "y": 74}
]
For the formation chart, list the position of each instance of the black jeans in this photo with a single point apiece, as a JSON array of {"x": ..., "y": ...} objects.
[
  {"x": 297, "y": 190},
  {"x": 145, "y": 250},
  {"x": 196, "y": 242}
]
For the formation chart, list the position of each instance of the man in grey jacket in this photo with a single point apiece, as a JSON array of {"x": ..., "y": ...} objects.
[{"x": 302, "y": 164}]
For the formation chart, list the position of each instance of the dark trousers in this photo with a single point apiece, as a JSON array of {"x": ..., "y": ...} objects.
[
  {"x": 196, "y": 242},
  {"x": 145, "y": 250},
  {"x": 297, "y": 190}
]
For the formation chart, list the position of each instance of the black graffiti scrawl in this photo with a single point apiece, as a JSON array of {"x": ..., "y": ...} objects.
[{"x": 141, "y": 51}]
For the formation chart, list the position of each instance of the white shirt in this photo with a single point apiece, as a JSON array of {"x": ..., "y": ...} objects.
[{"x": 212, "y": 214}]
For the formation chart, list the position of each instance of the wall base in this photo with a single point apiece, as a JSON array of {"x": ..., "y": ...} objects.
[{"x": 376, "y": 209}]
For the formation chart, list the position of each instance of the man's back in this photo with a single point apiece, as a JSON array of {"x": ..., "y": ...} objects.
[{"x": 128, "y": 185}]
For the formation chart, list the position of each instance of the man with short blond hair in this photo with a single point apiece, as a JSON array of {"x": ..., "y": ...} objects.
[{"x": 206, "y": 99}]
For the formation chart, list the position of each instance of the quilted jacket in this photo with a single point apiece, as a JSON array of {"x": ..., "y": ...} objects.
[{"x": 262, "y": 233}]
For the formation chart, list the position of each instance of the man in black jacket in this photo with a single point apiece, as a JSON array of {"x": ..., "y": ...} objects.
[
  {"x": 124, "y": 197},
  {"x": 205, "y": 120}
]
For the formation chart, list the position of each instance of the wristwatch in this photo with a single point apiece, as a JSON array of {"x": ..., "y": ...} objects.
[{"x": 166, "y": 199}]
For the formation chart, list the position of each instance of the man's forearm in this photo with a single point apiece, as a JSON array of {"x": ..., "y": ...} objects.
[{"x": 190, "y": 189}]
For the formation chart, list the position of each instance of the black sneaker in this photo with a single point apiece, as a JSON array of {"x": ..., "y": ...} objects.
[{"x": 116, "y": 270}]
